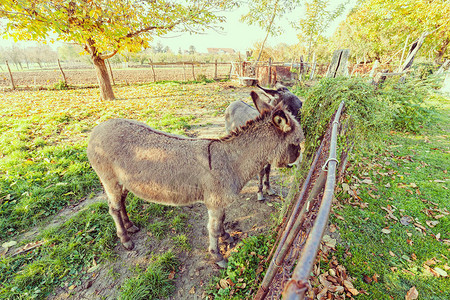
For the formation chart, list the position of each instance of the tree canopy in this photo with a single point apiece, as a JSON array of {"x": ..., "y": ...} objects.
[
  {"x": 316, "y": 20},
  {"x": 377, "y": 29},
  {"x": 104, "y": 28}
]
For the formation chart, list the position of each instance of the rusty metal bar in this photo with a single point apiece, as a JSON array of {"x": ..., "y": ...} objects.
[
  {"x": 274, "y": 266},
  {"x": 296, "y": 287}
]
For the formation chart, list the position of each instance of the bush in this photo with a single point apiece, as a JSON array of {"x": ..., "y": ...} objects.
[
  {"x": 370, "y": 114},
  {"x": 60, "y": 85},
  {"x": 408, "y": 103}
]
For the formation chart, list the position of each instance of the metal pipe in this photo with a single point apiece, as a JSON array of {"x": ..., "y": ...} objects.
[
  {"x": 273, "y": 268},
  {"x": 296, "y": 287}
]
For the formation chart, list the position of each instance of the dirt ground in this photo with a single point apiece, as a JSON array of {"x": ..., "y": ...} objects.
[
  {"x": 243, "y": 218},
  {"x": 47, "y": 78}
]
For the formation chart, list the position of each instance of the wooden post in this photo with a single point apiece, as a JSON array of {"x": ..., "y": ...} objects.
[
  {"x": 338, "y": 66},
  {"x": 270, "y": 72},
  {"x": 215, "y": 69},
  {"x": 110, "y": 71},
  {"x": 193, "y": 74},
  {"x": 11, "y": 76},
  {"x": 184, "y": 71},
  {"x": 62, "y": 72},
  {"x": 153, "y": 70},
  {"x": 313, "y": 68},
  {"x": 302, "y": 69}
]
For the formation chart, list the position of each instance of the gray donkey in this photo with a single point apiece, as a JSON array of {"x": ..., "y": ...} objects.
[
  {"x": 239, "y": 112},
  {"x": 176, "y": 170}
]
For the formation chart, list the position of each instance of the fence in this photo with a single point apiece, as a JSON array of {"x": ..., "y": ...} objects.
[{"x": 78, "y": 74}]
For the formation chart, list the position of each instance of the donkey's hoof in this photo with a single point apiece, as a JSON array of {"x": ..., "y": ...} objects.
[
  {"x": 227, "y": 239},
  {"x": 271, "y": 192},
  {"x": 133, "y": 229},
  {"x": 260, "y": 197},
  {"x": 128, "y": 245},
  {"x": 223, "y": 264}
]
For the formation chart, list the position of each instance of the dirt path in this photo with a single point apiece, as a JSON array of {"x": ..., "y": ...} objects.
[{"x": 247, "y": 217}]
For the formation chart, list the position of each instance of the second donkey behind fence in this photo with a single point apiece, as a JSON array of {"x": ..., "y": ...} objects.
[
  {"x": 239, "y": 112},
  {"x": 175, "y": 170}
]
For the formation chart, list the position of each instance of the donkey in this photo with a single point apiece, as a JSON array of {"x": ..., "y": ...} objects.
[
  {"x": 239, "y": 112},
  {"x": 175, "y": 170}
]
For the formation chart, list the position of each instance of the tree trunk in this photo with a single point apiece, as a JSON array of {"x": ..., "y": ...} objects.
[
  {"x": 441, "y": 51},
  {"x": 267, "y": 33},
  {"x": 106, "y": 91}
]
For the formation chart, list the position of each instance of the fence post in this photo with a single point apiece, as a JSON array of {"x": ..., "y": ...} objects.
[
  {"x": 215, "y": 69},
  {"x": 153, "y": 70},
  {"x": 110, "y": 71},
  {"x": 11, "y": 76},
  {"x": 62, "y": 72},
  {"x": 193, "y": 74},
  {"x": 270, "y": 72},
  {"x": 313, "y": 68}
]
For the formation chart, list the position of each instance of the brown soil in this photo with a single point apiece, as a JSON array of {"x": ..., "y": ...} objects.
[{"x": 47, "y": 78}]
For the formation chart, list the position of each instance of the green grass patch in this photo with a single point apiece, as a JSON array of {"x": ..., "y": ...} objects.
[
  {"x": 66, "y": 256},
  {"x": 155, "y": 282},
  {"x": 245, "y": 271},
  {"x": 395, "y": 224}
]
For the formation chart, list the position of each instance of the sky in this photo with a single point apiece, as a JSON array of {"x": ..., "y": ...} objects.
[{"x": 236, "y": 35}]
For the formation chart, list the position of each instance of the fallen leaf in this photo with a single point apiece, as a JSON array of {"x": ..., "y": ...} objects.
[
  {"x": 336, "y": 289},
  {"x": 406, "y": 220},
  {"x": 412, "y": 294},
  {"x": 367, "y": 279},
  {"x": 345, "y": 187},
  {"x": 9, "y": 244},
  {"x": 432, "y": 223},
  {"x": 368, "y": 181},
  {"x": 171, "y": 275},
  {"x": 72, "y": 287},
  {"x": 430, "y": 262},
  {"x": 392, "y": 254},
  {"x": 441, "y": 272},
  {"x": 223, "y": 284},
  {"x": 192, "y": 290},
  {"x": 386, "y": 231},
  {"x": 329, "y": 241}
]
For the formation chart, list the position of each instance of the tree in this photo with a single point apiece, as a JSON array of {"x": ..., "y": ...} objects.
[
  {"x": 317, "y": 19},
  {"x": 264, "y": 13},
  {"x": 104, "y": 27},
  {"x": 378, "y": 28}
]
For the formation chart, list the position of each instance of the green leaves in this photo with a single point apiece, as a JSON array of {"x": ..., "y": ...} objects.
[{"x": 110, "y": 25}]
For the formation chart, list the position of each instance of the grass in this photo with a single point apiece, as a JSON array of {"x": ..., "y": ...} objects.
[
  {"x": 65, "y": 257},
  {"x": 155, "y": 282},
  {"x": 43, "y": 168},
  {"x": 409, "y": 178}
]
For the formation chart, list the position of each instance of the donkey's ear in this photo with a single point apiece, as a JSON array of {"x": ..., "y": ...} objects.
[
  {"x": 261, "y": 105},
  {"x": 268, "y": 91},
  {"x": 281, "y": 121}
]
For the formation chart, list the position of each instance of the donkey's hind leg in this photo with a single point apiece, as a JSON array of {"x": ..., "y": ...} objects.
[
  {"x": 260, "y": 185},
  {"x": 269, "y": 190},
  {"x": 129, "y": 226},
  {"x": 114, "y": 192}
]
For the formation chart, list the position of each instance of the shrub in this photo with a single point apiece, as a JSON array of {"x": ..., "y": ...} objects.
[{"x": 60, "y": 85}]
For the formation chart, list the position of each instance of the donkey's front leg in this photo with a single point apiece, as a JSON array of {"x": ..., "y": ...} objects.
[{"x": 215, "y": 229}]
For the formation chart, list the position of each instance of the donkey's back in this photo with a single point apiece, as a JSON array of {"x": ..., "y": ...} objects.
[{"x": 152, "y": 164}]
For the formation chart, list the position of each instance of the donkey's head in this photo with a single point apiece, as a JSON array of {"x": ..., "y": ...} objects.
[
  {"x": 287, "y": 132},
  {"x": 282, "y": 94}
]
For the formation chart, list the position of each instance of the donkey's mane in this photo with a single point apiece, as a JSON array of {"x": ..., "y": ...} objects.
[{"x": 250, "y": 123}]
